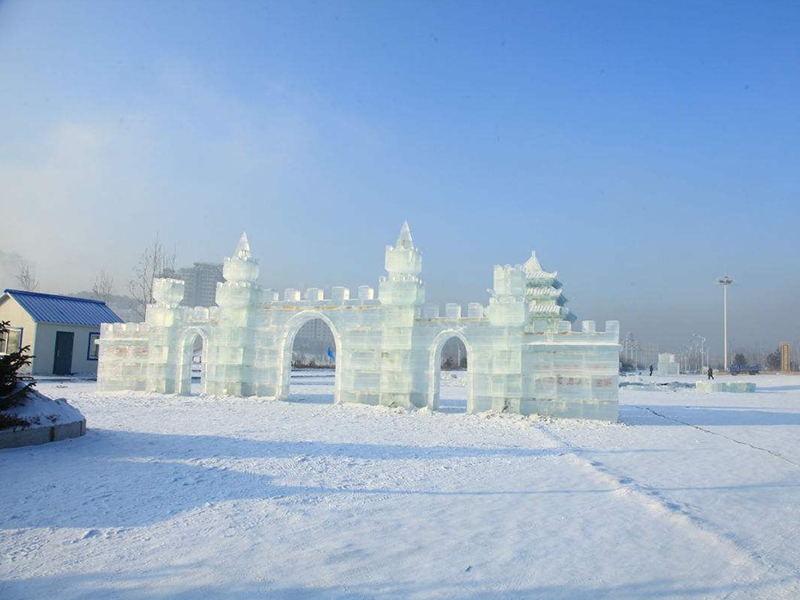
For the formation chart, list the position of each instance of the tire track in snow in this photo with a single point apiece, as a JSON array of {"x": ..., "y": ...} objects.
[
  {"x": 680, "y": 514},
  {"x": 717, "y": 433}
]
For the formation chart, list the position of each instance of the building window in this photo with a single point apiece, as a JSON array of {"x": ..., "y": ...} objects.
[
  {"x": 11, "y": 341},
  {"x": 94, "y": 349}
]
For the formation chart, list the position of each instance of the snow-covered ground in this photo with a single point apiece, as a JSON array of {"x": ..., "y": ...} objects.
[{"x": 689, "y": 496}]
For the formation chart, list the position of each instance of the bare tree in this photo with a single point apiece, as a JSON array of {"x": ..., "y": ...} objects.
[
  {"x": 26, "y": 279},
  {"x": 103, "y": 287},
  {"x": 153, "y": 262}
]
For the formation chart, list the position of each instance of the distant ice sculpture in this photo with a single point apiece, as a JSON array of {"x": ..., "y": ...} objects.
[
  {"x": 667, "y": 364},
  {"x": 523, "y": 356},
  {"x": 736, "y": 387}
]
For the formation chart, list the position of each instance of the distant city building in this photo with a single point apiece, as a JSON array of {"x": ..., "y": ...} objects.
[
  {"x": 786, "y": 361},
  {"x": 454, "y": 354},
  {"x": 201, "y": 283},
  {"x": 312, "y": 343}
]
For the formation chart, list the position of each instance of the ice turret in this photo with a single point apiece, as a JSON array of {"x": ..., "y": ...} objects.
[
  {"x": 238, "y": 298},
  {"x": 403, "y": 259},
  {"x": 507, "y": 304},
  {"x": 401, "y": 294},
  {"x": 241, "y": 267}
]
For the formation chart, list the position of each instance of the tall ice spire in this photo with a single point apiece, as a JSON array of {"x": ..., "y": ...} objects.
[
  {"x": 241, "y": 267},
  {"x": 404, "y": 240},
  {"x": 243, "y": 247}
]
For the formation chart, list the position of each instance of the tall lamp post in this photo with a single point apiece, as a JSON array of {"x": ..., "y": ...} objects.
[
  {"x": 702, "y": 344},
  {"x": 725, "y": 282}
]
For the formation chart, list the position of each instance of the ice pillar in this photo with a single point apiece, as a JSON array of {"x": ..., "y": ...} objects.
[{"x": 401, "y": 294}]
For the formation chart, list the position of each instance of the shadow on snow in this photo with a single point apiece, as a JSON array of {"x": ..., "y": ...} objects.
[
  {"x": 455, "y": 582},
  {"x": 117, "y": 478}
]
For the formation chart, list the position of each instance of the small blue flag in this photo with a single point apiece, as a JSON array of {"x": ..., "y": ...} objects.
[{"x": 330, "y": 354}]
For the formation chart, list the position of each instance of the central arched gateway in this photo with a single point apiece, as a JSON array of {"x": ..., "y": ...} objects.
[
  {"x": 290, "y": 330},
  {"x": 435, "y": 367}
]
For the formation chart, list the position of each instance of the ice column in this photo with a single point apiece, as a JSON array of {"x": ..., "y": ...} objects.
[
  {"x": 164, "y": 352},
  {"x": 238, "y": 298},
  {"x": 508, "y": 313},
  {"x": 401, "y": 294}
]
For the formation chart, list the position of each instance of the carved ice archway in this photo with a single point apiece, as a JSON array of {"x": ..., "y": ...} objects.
[
  {"x": 286, "y": 344},
  {"x": 435, "y": 368},
  {"x": 187, "y": 338}
]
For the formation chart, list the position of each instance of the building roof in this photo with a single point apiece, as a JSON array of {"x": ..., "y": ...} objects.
[{"x": 49, "y": 308}]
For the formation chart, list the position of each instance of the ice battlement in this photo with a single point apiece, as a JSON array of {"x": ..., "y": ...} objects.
[
  {"x": 123, "y": 328},
  {"x": 523, "y": 354},
  {"x": 315, "y": 297},
  {"x": 564, "y": 334},
  {"x": 452, "y": 311}
]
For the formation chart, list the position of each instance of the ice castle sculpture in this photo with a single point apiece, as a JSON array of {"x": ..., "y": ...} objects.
[{"x": 523, "y": 356}]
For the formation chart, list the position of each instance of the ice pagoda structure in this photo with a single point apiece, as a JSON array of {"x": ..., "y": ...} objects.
[{"x": 523, "y": 355}]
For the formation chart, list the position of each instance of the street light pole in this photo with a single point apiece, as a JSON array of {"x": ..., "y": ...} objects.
[
  {"x": 702, "y": 344},
  {"x": 725, "y": 282}
]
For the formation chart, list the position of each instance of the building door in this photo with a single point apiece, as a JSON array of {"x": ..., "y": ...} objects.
[{"x": 62, "y": 365}]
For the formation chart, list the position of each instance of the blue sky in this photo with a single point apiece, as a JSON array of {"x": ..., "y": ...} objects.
[{"x": 642, "y": 148}]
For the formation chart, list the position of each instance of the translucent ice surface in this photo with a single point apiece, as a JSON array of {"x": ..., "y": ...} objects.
[{"x": 523, "y": 354}]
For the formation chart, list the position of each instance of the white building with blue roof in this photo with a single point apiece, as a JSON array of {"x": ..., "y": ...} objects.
[{"x": 60, "y": 330}]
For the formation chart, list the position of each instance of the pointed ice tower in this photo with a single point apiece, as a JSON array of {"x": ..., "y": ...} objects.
[
  {"x": 403, "y": 264},
  {"x": 238, "y": 298},
  {"x": 241, "y": 267},
  {"x": 401, "y": 293}
]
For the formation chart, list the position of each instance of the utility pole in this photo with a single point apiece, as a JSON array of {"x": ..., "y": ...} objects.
[{"x": 725, "y": 281}]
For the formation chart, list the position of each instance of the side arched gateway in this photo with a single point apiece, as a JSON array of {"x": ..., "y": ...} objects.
[
  {"x": 286, "y": 344},
  {"x": 194, "y": 353},
  {"x": 435, "y": 367}
]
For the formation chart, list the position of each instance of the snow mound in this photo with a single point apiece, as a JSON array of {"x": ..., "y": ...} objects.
[{"x": 41, "y": 411}]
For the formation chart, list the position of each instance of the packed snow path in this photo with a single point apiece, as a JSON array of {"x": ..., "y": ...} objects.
[{"x": 691, "y": 496}]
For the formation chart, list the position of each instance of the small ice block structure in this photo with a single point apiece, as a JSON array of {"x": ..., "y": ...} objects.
[
  {"x": 737, "y": 387},
  {"x": 667, "y": 364}
]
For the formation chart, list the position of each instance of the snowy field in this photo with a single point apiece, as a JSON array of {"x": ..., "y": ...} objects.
[{"x": 689, "y": 496}]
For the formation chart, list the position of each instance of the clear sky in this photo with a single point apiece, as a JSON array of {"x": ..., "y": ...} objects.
[{"x": 642, "y": 148}]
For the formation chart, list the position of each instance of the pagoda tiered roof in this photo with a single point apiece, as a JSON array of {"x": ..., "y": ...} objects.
[
  {"x": 545, "y": 292},
  {"x": 533, "y": 270},
  {"x": 547, "y": 309}
]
